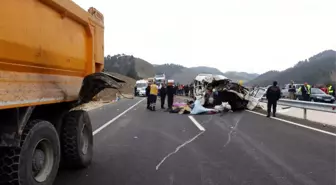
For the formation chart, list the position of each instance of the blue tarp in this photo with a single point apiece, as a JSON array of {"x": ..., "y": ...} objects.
[{"x": 198, "y": 108}]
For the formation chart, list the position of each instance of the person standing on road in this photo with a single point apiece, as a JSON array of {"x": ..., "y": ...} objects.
[
  {"x": 186, "y": 90},
  {"x": 305, "y": 91},
  {"x": 191, "y": 91},
  {"x": 324, "y": 89},
  {"x": 273, "y": 94},
  {"x": 176, "y": 88},
  {"x": 153, "y": 92},
  {"x": 331, "y": 90},
  {"x": 163, "y": 92},
  {"x": 291, "y": 90},
  {"x": 147, "y": 94},
  {"x": 171, "y": 91}
]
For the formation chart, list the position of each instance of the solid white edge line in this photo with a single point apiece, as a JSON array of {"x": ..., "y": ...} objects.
[
  {"x": 199, "y": 126},
  {"x": 293, "y": 123},
  {"x": 115, "y": 118}
]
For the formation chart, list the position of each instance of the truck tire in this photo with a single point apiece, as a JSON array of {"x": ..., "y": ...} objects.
[
  {"x": 77, "y": 139},
  {"x": 36, "y": 162}
]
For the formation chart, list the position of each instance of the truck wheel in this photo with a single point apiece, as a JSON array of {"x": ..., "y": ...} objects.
[
  {"x": 36, "y": 162},
  {"x": 77, "y": 139}
]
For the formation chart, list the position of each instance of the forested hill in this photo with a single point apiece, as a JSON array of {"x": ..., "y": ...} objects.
[
  {"x": 138, "y": 68},
  {"x": 318, "y": 69}
]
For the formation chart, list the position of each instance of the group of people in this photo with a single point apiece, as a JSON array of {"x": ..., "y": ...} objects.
[
  {"x": 153, "y": 90},
  {"x": 273, "y": 94},
  {"x": 184, "y": 90},
  {"x": 305, "y": 90}
]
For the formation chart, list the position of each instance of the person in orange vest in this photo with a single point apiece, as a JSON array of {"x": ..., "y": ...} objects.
[
  {"x": 331, "y": 90},
  {"x": 153, "y": 92}
]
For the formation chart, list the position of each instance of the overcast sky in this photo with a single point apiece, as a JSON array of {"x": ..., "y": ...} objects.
[{"x": 240, "y": 35}]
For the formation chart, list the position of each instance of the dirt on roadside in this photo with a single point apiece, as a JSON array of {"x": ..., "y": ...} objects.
[{"x": 126, "y": 90}]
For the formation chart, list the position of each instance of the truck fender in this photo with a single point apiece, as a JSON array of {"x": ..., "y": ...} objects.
[{"x": 96, "y": 82}]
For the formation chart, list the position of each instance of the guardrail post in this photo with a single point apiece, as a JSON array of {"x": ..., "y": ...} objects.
[{"x": 305, "y": 113}]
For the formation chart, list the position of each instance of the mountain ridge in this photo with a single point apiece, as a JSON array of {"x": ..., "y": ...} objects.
[
  {"x": 318, "y": 69},
  {"x": 138, "y": 68}
]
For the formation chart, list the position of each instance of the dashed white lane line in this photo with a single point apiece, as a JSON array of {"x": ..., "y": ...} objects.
[
  {"x": 115, "y": 118},
  {"x": 297, "y": 124},
  {"x": 198, "y": 125}
]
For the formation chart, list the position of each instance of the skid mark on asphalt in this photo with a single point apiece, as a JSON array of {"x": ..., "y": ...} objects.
[
  {"x": 237, "y": 120},
  {"x": 171, "y": 179},
  {"x": 177, "y": 149},
  {"x": 207, "y": 121}
]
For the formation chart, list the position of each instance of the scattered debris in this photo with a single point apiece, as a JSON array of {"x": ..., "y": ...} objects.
[
  {"x": 89, "y": 106},
  {"x": 126, "y": 90}
]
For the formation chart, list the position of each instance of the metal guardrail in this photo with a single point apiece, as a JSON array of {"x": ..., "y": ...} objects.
[{"x": 323, "y": 107}]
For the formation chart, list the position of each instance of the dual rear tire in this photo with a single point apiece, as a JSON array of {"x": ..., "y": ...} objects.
[{"x": 36, "y": 161}]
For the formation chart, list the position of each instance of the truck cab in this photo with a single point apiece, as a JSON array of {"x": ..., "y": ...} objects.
[
  {"x": 160, "y": 78},
  {"x": 141, "y": 86}
]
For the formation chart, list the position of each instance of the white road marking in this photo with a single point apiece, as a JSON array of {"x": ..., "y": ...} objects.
[
  {"x": 115, "y": 118},
  {"x": 177, "y": 149},
  {"x": 199, "y": 126},
  {"x": 297, "y": 124}
]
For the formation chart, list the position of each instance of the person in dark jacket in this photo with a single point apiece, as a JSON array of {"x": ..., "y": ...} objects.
[
  {"x": 171, "y": 91},
  {"x": 191, "y": 91},
  {"x": 163, "y": 92},
  {"x": 147, "y": 95},
  {"x": 135, "y": 90},
  {"x": 273, "y": 94},
  {"x": 186, "y": 90},
  {"x": 175, "y": 89},
  {"x": 305, "y": 91}
]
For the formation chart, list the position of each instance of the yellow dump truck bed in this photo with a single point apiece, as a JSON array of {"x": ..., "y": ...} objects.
[{"x": 46, "y": 48}]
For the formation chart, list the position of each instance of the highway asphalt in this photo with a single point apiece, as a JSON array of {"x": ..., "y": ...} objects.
[{"x": 240, "y": 148}]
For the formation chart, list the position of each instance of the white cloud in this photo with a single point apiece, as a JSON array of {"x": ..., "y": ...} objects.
[{"x": 241, "y": 35}]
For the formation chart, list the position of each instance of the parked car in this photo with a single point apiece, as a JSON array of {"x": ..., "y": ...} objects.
[{"x": 317, "y": 95}]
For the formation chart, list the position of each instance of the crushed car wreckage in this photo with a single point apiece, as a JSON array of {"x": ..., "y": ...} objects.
[
  {"x": 212, "y": 90},
  {"x": 217, "y": 93}
]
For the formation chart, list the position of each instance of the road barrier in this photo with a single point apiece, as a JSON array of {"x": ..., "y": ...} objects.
[{"x": 323, "y": 107}]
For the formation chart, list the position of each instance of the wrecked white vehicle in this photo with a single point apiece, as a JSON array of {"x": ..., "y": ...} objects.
[{"x": 213, "y": 90}]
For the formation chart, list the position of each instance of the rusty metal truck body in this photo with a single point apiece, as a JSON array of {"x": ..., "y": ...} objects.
[{"x": 51, "y": 58}]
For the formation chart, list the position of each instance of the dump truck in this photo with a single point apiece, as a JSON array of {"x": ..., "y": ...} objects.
[{"x": 51, "y": 62}]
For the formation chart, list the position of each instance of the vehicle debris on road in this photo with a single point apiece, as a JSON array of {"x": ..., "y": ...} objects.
[
  {"x": 212, "y": 94},
  {"x": 213, "y": 90}
]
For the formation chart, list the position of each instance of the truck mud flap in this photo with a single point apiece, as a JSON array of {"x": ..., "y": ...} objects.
[{"x": 96, "y": 82}]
